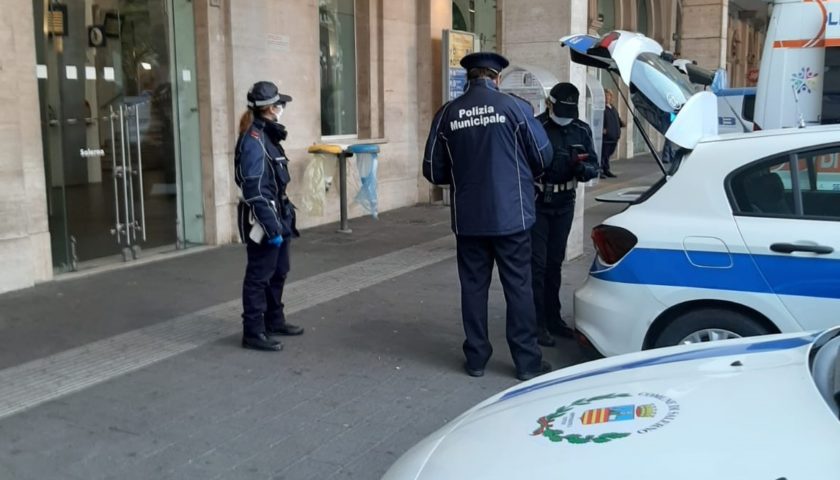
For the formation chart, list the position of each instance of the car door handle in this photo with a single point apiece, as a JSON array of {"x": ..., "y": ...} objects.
[{"x": 794, "y": 247}]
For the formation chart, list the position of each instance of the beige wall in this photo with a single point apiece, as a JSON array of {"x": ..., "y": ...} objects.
[
  {"x": 216, "y": 117},
  {"x": 390, "y": 30},
  {"x": 704, "y": 32},
  {"x": 433, "y": 16},
  {"x": 24, "y": 232}
]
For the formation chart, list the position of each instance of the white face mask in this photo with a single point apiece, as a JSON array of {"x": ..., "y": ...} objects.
[
  {"x": 562, "y": 121},
  {"x": 278, "y": 113}
]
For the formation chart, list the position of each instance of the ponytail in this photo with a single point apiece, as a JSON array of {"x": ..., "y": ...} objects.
[{"x": 245, "y": 121}]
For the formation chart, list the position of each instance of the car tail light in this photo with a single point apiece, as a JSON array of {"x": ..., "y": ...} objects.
[
  {"x": 612, "y": 243},
  {"x": 608, "y": 39}
]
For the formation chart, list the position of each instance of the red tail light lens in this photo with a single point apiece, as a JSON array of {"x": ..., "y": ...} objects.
[
  {"x": 612, "y": 243},
  {"x": 608, "y": 39}
]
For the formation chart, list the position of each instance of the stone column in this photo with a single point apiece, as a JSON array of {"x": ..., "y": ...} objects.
[
  {"x": 433, "y": 17},
  {"x": 24, "y": 226},
  {"x": 704, "y": 36},
  {"x": 217, "y": 117},
  {"x": 531, "y": 30}
]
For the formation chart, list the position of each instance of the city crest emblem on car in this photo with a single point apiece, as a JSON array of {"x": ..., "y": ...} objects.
[{"x": 609, "y": 417}]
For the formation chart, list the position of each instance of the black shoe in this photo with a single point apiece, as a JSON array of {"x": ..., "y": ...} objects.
[
  {"x": 545, "y": 339},
  {"x": 545, "y": 367},
  {"x": 561, "y": 330},
  {"x": 286, "y": 330},
  {"x": 473, "y": 372},
  {"x": 261, "y": 342},
  {"x": 610, "y": 174}
]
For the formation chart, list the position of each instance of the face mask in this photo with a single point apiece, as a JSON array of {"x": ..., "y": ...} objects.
[
  {"x": 278, "y": 113},
  {"x": 562, "y": 121}
]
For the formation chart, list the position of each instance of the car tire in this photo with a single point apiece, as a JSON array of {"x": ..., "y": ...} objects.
[{"x": 695, "y": 321}]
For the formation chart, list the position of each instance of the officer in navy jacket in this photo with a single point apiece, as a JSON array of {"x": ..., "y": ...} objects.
[
  {"x": 266, "y": 217},
  {"x": 574, "y": 161},
  {"x": 488, "y": 147}
]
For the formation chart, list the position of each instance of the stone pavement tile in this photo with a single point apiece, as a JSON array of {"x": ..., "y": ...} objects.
[
  {"x": 162, "y": 463},
  {"x": 194, "y": 471},
  {"x": 352, "y": 443},
  {"x": 308, "y": 470},
  {"x": 294, "y": 448}
]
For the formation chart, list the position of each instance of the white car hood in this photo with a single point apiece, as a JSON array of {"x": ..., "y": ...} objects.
[{"x": 719, "y": 411}]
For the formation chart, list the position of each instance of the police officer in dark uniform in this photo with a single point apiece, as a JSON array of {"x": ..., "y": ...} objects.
[
  {"x": 488, "y": 146},
  {"x": 574, "y": 161},
  {"x": 266, "y": 217}
]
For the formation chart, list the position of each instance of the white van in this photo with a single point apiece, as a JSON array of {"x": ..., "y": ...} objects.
[{"x": 799, "y": 79}]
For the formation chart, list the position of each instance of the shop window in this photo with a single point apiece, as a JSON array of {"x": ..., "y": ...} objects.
[
  {"x": 479, "y": 17},
  {"x": 606, "y": 14},
  {"x": 338, "y": 67},
  {"x": 831, "y": 89}
]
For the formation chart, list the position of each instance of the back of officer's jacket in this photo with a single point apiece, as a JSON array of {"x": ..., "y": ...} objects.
[{"x": 489, "y": 147}]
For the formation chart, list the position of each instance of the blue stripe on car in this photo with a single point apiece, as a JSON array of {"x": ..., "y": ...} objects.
[
  {"x": 788, "y": 275},
  {"x": 706, "y": 353}
]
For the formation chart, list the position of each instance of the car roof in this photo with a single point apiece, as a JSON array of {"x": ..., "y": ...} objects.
[{"x": 772, "y": 133}]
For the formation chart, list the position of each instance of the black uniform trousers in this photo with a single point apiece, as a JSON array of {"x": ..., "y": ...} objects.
[
  {"x": 607, "y": 151},
  {"x": 548, "y": 242},
  {"x": 512, "y": 255},
  {"x": 262, "y": 290}
]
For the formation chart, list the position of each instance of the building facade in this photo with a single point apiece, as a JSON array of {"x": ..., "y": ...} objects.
[{"x": 118, "y": 118}]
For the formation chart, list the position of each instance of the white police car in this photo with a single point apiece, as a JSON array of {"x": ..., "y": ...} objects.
[
  {"x": 761, "y": 408},
  {"x": 741, "y": 238}
]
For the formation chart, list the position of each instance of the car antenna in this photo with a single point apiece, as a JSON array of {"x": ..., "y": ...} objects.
[
  {"x": 798, "y": 111},
  {"x": 639, "y": 127}
]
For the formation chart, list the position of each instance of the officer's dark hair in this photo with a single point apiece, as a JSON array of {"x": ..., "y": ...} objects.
[
  {"x": 249, "y": 115},
  {"x": 475, "y": 73}
]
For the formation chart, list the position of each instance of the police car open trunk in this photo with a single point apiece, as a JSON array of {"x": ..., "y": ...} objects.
[{"x": 661, "y": 94}]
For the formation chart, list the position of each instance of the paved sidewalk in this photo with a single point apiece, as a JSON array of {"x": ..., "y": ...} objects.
[{"x": 137, "y": 373}]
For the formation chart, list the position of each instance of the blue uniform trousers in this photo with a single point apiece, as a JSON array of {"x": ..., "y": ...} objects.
[
  {"x": 262, "y": 290},
  {"x": 512, "y": 255}
]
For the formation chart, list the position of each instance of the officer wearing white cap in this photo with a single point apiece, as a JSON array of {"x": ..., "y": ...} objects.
[
  {"x": 487, "y": 146},
  {"x": 266, "y": 217},
  {"x": 574, "y": 161}
]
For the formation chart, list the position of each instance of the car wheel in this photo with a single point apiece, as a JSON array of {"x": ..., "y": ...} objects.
[{"x": 708, "y": 324}]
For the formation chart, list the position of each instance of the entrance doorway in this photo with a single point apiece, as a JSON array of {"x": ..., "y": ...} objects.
[{"x": 119, "y": 123}]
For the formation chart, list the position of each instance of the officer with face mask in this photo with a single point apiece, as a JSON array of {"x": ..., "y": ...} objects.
[
  {"x": 487, "y": 146},
  {"x": 574, "y": 161},
  {"x": 266, "y": 217}
]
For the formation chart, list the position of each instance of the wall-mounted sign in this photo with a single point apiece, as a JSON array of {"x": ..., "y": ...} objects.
[
  {"x": 91, "y": 152},
  {"x": 57, "y": 20},
  {"x": 456, "y": 45}
]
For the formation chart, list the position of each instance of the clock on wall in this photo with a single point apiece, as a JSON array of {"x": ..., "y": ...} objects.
[{"x": 96, "y": 36}]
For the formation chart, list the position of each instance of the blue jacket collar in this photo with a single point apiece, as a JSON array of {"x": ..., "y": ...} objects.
[{"x": 483, "y": 82}]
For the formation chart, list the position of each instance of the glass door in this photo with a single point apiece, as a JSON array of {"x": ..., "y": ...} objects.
[{"x": 111, "y": 111}]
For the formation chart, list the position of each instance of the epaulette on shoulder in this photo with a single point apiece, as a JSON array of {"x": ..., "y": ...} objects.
[{"x": 254, "y": 134}]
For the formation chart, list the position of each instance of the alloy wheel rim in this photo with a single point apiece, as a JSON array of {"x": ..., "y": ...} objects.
[{"x": 708, "y": 335}]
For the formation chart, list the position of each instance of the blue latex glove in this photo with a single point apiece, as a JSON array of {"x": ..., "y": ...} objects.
[{"x": 276, "y": 241}]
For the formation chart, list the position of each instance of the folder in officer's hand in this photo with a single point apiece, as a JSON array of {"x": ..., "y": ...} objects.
[{"x": 257, "y": 233}]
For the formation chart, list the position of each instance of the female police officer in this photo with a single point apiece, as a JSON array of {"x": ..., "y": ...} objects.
[{"x": 266, "y": 217}]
